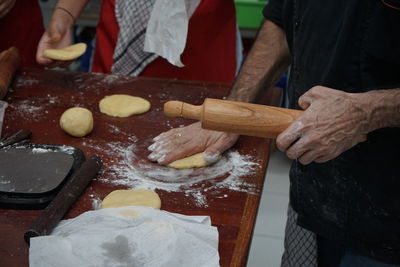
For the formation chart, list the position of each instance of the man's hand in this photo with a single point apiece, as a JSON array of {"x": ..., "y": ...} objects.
[
  {"x": 333, "y": 122},
  {"x": 182, "y": 142},
  {"x": 6, "y": 6},
  {"x": 57, "y": 35}
]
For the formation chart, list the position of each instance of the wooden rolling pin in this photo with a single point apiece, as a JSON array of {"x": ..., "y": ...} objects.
[
  {"x": 67, "y": 196},
  {"x": 236, "y": 117},
  {"x": 9, "y": 64}
]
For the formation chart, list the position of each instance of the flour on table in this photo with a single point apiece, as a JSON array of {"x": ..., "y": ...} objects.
[{"x": 126, "y": 168}]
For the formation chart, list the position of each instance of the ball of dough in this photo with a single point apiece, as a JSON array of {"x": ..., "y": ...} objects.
[
  {"x": 194, "y": 161},
  {"x": 140, "y": 197},
  {"x": 77, "y": 121},
  {"x": 123, "y": 105},
  {"x": 67, "y": 53}
]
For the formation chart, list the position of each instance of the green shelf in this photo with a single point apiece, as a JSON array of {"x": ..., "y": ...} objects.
[{"x": 249, "y": 13}]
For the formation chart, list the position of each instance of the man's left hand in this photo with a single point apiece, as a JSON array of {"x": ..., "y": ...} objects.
[{"x": 332, "y": 123}]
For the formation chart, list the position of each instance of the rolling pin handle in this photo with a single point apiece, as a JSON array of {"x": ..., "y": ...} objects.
[
  {"x": 173, "y": 108},
  {"x": 181, "y": 109}
]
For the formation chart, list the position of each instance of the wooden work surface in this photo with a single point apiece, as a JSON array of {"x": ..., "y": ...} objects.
[{"x": 36, "y": 100}]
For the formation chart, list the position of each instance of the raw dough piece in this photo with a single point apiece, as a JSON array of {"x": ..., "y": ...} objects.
[
  {"x": 140, "y": 197},
  {"x": 123, "y": 105},
  {"x": 194, "y": 161},
  {"x": 67, "y": 53},
  {"x": 77, "y": 121}
]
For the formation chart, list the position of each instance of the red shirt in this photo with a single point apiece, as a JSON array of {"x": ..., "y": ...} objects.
[
  {"x": 210, "y": 52},
  {"x": 23, "y": 27}
]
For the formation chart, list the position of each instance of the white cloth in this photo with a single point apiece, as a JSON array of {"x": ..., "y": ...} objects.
[
  {"x": 148, "y": 29},
  {"x": 168, "y": 27},
  {"x": 127, "y": 237}
]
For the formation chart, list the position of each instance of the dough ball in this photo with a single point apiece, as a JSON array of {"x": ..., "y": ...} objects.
[
  {"x": 77, "y": 121},
  {"x": 140, "y": 197},
  {"x": 194, "y": 161},
  {"x": 67, "y": 53},
  {"x": 123, "y": 105}
]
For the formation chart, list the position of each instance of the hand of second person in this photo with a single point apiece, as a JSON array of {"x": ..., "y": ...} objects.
[
  {"x": 57, "y": 35},
  {"x": 332, "y": 123},
  {"x": 182, "y": 142},
  {"x": 5, "y": 7}
]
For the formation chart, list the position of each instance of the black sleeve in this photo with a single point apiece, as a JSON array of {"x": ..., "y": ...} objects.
[{"x": 273, "y": 12}]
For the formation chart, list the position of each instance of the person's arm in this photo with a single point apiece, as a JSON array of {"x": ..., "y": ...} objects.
[
  {"x": 335, "y": 121},
  {"x": 6, "y": 6},
  {"x": 268, "y": 59},
  {"x": 58, "y": 34}
]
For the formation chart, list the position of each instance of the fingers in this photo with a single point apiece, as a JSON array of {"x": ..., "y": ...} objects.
[
  {"x": 289, "y": 136},
  {"x": 172, "y": 145},
  {"x": 313, "y": 94},
  {"x": 224, "y": 142},
  {"x": 43, "y": 45},
  {"x": 182, "y": 142},
  {"x": 56, "y": 36},
  {"x": 305, "y": 101},
  {"x": 298, "y": 148}
]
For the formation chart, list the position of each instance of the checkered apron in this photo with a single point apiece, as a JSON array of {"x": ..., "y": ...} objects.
[{"x": 132, "y": 17}]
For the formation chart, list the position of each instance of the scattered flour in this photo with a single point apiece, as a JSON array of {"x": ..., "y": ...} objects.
[
  {"x": 99, "y": 80},
  {"x": 39, "y": 150},
  {"x": 29, "y": 108},
  {"x": 26, "y": 82},
  {"x": 126, "y": 168}
]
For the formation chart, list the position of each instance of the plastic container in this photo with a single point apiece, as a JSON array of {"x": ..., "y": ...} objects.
[
  {"x": 249, "y": 13},
  {"x": 3, "y": 106}
]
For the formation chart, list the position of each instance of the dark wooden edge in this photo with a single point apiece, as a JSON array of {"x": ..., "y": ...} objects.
[{"x": 240, "y": 254}]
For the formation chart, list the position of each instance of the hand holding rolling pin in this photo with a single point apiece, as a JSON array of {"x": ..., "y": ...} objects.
[
  {"x": 333, "y": 122},
  {"x": 222, "y": 115}
]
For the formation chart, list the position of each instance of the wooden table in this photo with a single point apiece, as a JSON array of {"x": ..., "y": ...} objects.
[{"x": 38, "y": 98}]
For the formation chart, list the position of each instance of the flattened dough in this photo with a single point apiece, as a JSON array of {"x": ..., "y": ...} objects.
[
  {"x": 194, "y": 161},
  {"x": 77, "y": 121},
  {"x": 123, "y": 105},
  {"x": 67, "y": 53},
  {"x": 140, "y": 197}
]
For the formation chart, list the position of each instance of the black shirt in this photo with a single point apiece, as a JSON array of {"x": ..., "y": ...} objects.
[{"x": 354, "y": 46}]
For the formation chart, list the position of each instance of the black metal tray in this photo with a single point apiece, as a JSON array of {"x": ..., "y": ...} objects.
[{"x": 32, "y": 174}]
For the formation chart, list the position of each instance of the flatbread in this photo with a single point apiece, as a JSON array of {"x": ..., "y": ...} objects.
[
  {"x": 140, "y": 197},
  {"x": 194, "y": 161},
  {"x": 121, "y": 105},
  {"x": 67, "y": 53}
]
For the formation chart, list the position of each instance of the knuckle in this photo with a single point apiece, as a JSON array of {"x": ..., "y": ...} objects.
[{"x": 291, "y": 155}]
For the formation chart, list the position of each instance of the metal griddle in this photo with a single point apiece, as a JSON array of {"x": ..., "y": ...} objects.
[{"x": 32, "y": 174}]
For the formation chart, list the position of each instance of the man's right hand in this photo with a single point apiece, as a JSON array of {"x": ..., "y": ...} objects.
[
  {"x": 57, "y": 35},
  {"x": 182, "y": 142}
]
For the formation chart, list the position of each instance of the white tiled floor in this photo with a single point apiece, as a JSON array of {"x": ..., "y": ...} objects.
[{"x": 267, "y": 245}]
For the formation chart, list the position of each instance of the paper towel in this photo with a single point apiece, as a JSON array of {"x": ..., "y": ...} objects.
[
  {"x": 167, "y": 28},
  {"x": 128, "y": 236}
]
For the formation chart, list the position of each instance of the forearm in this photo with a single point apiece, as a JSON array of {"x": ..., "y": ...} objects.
[
  {"x": 67, "y": 11},
  {"x": 382, "y": 108},
  {"x": 267, "y": 60}
]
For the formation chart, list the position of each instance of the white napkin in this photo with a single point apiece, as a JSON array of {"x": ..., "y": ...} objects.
[
  {"x": 128, "y": 236},
  {"x": 167, "y": 28}
]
